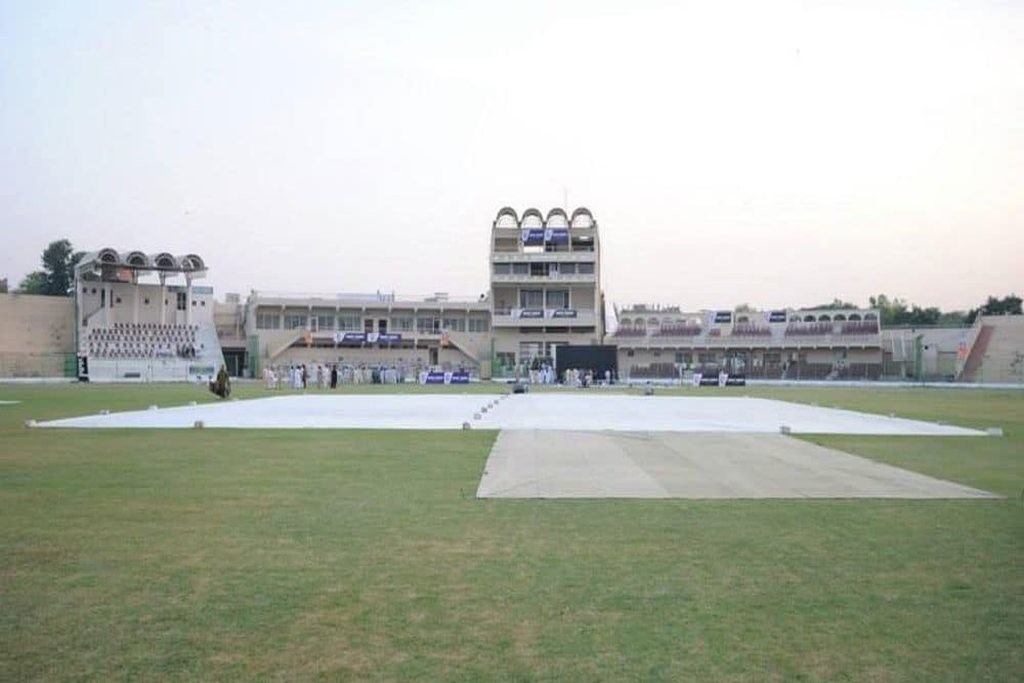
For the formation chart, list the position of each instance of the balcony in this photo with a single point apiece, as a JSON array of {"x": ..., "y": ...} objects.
[
  {"x": 776, "y": 341},
  {"x": 551, "y": 278},
  {"x": 543, "y": 256},
  {"x": 543, "y": 317}
]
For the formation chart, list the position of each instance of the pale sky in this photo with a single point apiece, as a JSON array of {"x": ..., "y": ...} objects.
[{"x": 778, "y": 154}]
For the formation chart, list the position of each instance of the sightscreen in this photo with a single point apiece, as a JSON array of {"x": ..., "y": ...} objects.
[{"x": 596, "y": 358}]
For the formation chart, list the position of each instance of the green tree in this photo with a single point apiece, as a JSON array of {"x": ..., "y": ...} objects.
[
  {"x": 58, "y": 274},
  {"x": 837, "y": 304},
  {"x": 1008, "y": 305},
  {"x": 33, "y": 283},
  {"x": 890, "y": 311}
]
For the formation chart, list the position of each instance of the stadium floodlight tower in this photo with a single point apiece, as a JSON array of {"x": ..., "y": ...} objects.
[{"x": 545, "y": 286}]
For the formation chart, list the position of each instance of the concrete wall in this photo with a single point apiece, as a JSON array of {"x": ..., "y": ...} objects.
[
  {"x": 1003, "y": 360},
  {"x": 141, "y": 303},
  {"x": 37, "y": 334}
]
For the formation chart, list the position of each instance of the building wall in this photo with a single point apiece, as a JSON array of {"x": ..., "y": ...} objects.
[
  {"x": 1003, "y": 359},
  {"x": 141, "y": 303},
  {"x": 427, "y": 324},
  {"x": 37, "y": 335}
]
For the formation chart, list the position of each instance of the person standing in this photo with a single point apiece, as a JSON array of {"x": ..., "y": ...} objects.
[{"x": 334, "y": 376}]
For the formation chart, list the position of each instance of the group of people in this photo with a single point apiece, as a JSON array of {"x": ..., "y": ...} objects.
[
  {"x": 574, "y": 377},
  {"x": 303, "y": 376},
  {"x": 571, "y": 377}
]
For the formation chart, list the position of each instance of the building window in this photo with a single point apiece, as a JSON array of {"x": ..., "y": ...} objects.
[
  {"x": 558, "y": 298},
  {"x": 506, "y": 359},
  {"x": 585, "y": 268},
  {"x": 268, "y": 321},
  {"x": 428, "y": 325},
  {"x": 502, "y": 269},
  {"x": 349, "y": 322},
  {"x": 454, "y": 324},
  {"x": 478, "y": 325},
  {"x": 401, "y": 324},
  {"x": 294, "y": 321},
  {"x": 181, "y": 301},
  {"x": 531, "y": 298},
  {"x": 567, "y": 268},
  {"x": 520, "y": 268}
]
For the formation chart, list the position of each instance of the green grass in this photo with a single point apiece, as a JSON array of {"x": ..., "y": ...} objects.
[{"x": 292, "y": 555}]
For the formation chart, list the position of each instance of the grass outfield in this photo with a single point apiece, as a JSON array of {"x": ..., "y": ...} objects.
[{"x": 277, "y": 554}]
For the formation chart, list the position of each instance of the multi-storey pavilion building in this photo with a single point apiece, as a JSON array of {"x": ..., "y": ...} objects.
[
  {"x": 545, "y": 285},
  {"x": 366, "y": 329},
  {"x": 662, "y": 342}
]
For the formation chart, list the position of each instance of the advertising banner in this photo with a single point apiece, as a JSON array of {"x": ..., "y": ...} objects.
[
  {"x": 722, "y": 379},
  {"x": 434, "y": 378},
  {"x": 723, "y": 316},
  {"x": 777, "y": 317},
  {"x": 389, "y": 337},
  {"x": 349, "y": 337},
  {"x": 563, "y": 313},
  {"x": 533, "y": 237},
  {"x": 556, "y": 235},
  {"x": 460, "y": 377},
  {"x": 531, "y": 313}
]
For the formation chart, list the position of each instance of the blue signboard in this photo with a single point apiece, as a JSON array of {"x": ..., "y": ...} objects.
[
  {"x": 533, "y": 236},
  {"x": 557, "y": 235},
  {"x": 460, "y": 377},
  {"x": 564, "y": 313}
]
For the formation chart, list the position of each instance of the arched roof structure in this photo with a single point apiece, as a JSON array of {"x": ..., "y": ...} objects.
[
  {"x": 581, "y": 218},
  {"x": 534, "y": 213},
  {"x": 137, "y": 259},
  {"x": 506, "y": 212},
  {"x": 191, "y": 262},
  {"x": 108, "y": 257},
  {"x": 559, "y": 215},
  {"x": 165, "y": 261}
]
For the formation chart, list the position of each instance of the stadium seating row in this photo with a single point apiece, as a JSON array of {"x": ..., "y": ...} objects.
[{"x": 143, "y": 340}]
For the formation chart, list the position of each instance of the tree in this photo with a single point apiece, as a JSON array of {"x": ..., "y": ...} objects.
[
  {"x": 837, "y": 304},
  {"x": 1008, "y": 305},
  {"x": 890, "y": 312},
  {"x": 34, "y": 283},
  {"x": 58, "y": 274}
]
